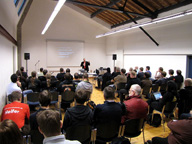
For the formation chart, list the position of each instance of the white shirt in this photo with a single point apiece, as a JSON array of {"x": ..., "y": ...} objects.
[{"x": 13, "y": 87}]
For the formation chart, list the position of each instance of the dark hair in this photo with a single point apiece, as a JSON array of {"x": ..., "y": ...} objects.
[
  {"x": 172, "y": 87},
  {"x": 14, "y": 78},
  {"x": 141, "y": 68},
  {"x": 148, "y": 67},
  {"x": 61, "y": 70},
  {"x": 108, "y": 70},
  {"x": 10, "y": 133},
  {"x": 179, "y": 72},
  {"x": 67, "y": 76},
  {"x": 123, "y": 70},
  {"x": 41, "y": 69},
  {"x": 81, "y": 96},
  {"x": 22, "y": 69},
  {"x": 147, "y": 74},
  {"x": 163, "y": 73},
  {"x": 109, "y": 92},
  {"x": 68, "y": 70},
  {"x": 85, "y": 76},
  {"x": 171, "y": 71},
  {"x": 32, "y": 79},
  {"x": 45, "y": 72},
  {"x": 161, "y": 68},
  {"x": 76, "y": 75},
  {"x": 33, "y": 73},
  {"x": 45, "y": 98},
  {"x": 49, "y": 122},
  {"x": 15, "y": 95}
]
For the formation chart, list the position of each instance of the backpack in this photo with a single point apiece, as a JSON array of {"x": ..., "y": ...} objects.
[
  {"x": 120, "y": 140},
  {"x": 156, "y": 120}
]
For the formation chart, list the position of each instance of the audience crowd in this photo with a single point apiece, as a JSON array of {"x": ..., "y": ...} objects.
[{"x": 131, "y": 87}]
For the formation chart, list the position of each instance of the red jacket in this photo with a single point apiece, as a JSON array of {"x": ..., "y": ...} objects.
[{"x": 136, "y": 108}]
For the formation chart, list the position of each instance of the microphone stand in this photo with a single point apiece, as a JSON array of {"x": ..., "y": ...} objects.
[{"x": 36, "y": 64}]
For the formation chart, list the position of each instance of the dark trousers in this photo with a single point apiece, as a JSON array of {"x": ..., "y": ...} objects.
[
  {"x": 122, "y": 94},
  {"x": 159, "y": 140}
]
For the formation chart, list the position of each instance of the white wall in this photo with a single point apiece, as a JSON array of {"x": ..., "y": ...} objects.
[
  {"x": 68, "y": 25},
  {"x": 8, "y": 52},
  {"x": 174, "y": 38}
]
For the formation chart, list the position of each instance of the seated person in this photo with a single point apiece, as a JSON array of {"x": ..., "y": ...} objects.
[
  {"x": 16, "y": 111},
  {"x": 85, "y": 84},
  {"x": 120, "y": 78},
  {"x": 60, "y": 76},
  {"x": 44, "y": 100},
  {"x": 146, "y": 83},
  {"x": 132, "y": 80},
  {"x": 106, "y": 77},
  {"x": 171, "y": 72},
  {"x": 40, "y": 73},
  {"x": 147, "y": 69},
  {"x": 170, "y": 96},
  {"x": 23, "y": 73},
  {"x": 33, "y": 83},
  {"x": 43, "y": 78},
  {"x": 10, "y": 133},
  {"x": 68, "y": 72},
  {"x": 185, "y": 97},
  {"x": 162, "y": 79},
  {"x": 67, "y": 84},
  {"x": 76, "y": 79},
  {"x": 50, "y": 126},
  {"x": 49, "y": 84},
  {"x": 110, "y": 110},
  {"x": 140, "y": 74},
  {"x": 79, "y": 114},
  {"x": 14, "y": 85},
  {"x": 158, "y": 73},
  {"x": 181, "y": 133},
  {"x": 179, "y": 79},
  {"x": 136, "y": 108}
]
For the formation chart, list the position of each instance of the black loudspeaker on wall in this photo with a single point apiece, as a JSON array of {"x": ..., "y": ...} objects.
[
  {"x": 114, "y": 57},
  {"x": 27, "y": 56}
]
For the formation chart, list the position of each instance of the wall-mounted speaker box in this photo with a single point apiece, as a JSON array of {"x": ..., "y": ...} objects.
[
  {"x": 27, "y": 56},
  {"x": 114, "y": 56}
]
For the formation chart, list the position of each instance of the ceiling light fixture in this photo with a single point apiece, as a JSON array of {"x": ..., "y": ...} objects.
[
  {"x": 60, "y": 3},
  {"x": 157, "y": 20}
]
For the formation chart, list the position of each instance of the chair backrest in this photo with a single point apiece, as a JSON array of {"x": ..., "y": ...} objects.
[
  {"x": 108, "y": 130},
  {"x": 133, "y": 127},
  {"x": 36, "y": 137},
  {"x": 163, "y": 87},
  {"x": 68, "y": 96},
  {"x": 121, "y": 86},
  {"x": 170, "y": 106},
  {"x": 146, "y": 90},
  {"x": 81, "y": 133},
  {"x": 33, "y": 97}
]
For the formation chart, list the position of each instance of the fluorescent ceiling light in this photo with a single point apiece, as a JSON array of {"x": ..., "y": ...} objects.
[
  {"x": 157, "y": 20},
  {"x": 60, "y": 3}
]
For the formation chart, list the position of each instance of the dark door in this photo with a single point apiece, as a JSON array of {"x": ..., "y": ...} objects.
[{"x": 189, "y": 67}]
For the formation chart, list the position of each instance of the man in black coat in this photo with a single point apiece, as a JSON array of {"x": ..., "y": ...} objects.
[{"x": 85, "y": 65}]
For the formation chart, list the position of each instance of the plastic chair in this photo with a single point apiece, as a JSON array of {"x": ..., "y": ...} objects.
[
  {"x": 81, "y": 133},
  {"x": 54, "y": 97},
  {"x": 106, "y": 132},
  {"x": 33, "y": 98},
  {"x": 146, "y": 91},
  {"x": 155, "y": 88},
  {"x": 168, "y": 109},
  {"x": 67, "y": 97}
]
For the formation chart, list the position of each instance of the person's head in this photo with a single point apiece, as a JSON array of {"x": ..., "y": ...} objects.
[
  {"x": 67, "y": 76},
  {"x": 86, "y": 77},
  {"x": 41, "y": 69},
  {"x": 179, "y": 72},
  {"x": 22, "y": 69},
  {"x": 81, "y": 96},
  {"x": 16, "y": 96},
  {"x": 136, "y": 67},
  {"x": 160, "y": 69},
  {"x": 18, "y": 73},
  {"x": 163, "y": 74},
  {"x": 67, "y": 70},
  {"x": 61, "y": 70},
  {"x": 147, "y": 68},
  {"x": 45, "y": 72},
  {"x": 49, "y": 123},
  {"x": 147, "y": 75},
  {"x": 172, "y": 86},
  {"x": 33, "y": 74},
  {"x": 123, "y": 71},
  {"x": 48, "y": 76},
  {"x": 14, "y": 78},
  {"x": 108, "y": 70},
  {"x": 118, "y": 69},
  {"x": 135, "y": 90},
  {"x": 171, "y": 72},
  {"x": 76, "y": 75},
  {"x": 84, "y": 59},
  {"x": 133, "y": 74},
  {"x": 188, "y": 82},
  {"x": 45, "y": 98},
  {"x": 10, "y": 133},
  {"x": 130, "y": 69},
  {"x": 109, "y": 93},
  {"x": 141, "y": 69}
]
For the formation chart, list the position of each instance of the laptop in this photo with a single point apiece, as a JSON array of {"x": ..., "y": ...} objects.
[{"x": 157, "y": 95}]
